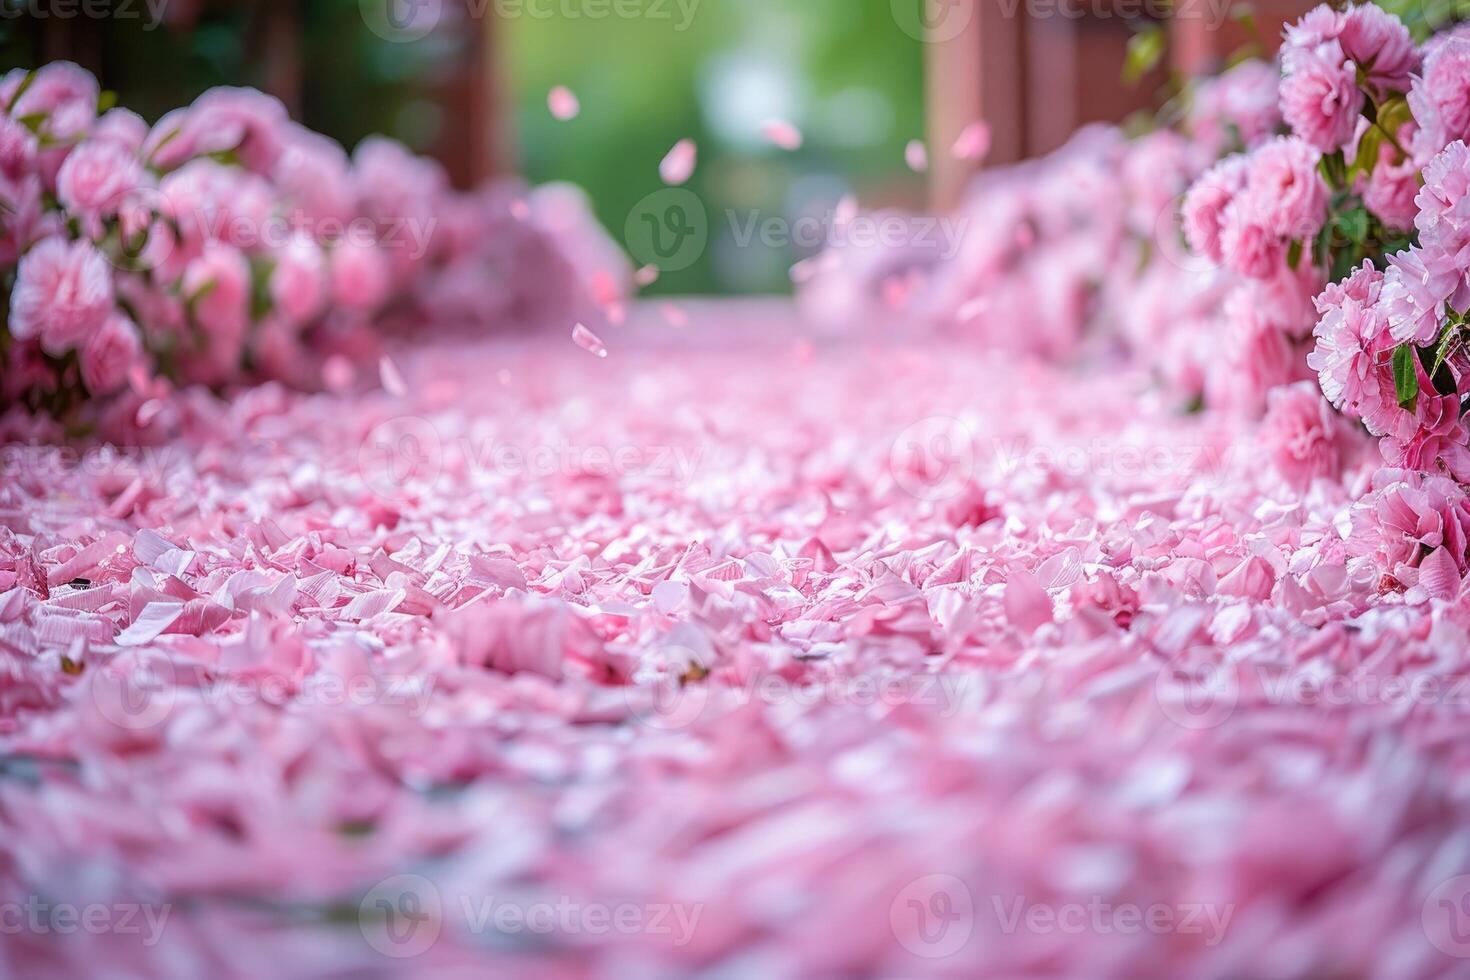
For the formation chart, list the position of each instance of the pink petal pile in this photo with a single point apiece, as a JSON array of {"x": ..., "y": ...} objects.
[{"x": 1095, "y": 605}]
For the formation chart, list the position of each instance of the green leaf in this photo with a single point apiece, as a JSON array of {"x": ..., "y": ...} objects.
[
  {"x": 1405, "y": 377},
  {"x": 1440, "y": 375},
  {"x": 1354, "y": 225},
  {"x": 1294, "y": 254},
  {"x": 1145, "y": 51},
  {"x": 20, "y": 90}
]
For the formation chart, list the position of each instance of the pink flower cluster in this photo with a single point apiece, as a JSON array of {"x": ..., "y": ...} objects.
[{"x": 226, "y": 242}]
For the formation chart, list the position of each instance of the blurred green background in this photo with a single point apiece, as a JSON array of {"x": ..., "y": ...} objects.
[{"x": 710, "y": 70}]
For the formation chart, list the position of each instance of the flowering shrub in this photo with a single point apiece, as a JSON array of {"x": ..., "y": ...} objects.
[{"x": 223, "y": 244}]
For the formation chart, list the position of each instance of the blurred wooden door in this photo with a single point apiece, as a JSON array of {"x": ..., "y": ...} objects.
[{"x": 1036, "y": 70}]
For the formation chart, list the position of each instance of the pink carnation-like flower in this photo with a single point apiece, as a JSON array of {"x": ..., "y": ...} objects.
[
  {"x": 1381, "y": 46},
  {"x": 95, "y": 181},
  {"x": 1318, "y": 26},
  {"x": 242, "y": 121},
  {"x": 1243, "y": 104},
  {"x": 1248, "y": 246},
  {"x": 1206, "y": 202},
  {"x": 63, "y": 92},
  {"x": 359, "y": 275},
  {"x": 109, "y": 355},
  {"x": 1408, "y": 516},
  {"x": 1301, "y": 435},
  {"x": 314, "y": 176},
  {"x": 218, "y": 284},
  {"x": 1419, "y": 288},
  {"x": 123, "y": 127},
  {"x": 1353, "y": 350},
  {"x": 62, "y": 293},
  {"x": 1444, "y": 204},
  {"x": 1320, "y": 98},
  {"x": 1284, "y": 190},
  {"x": 1389, "y": 191},
  {"x": 298, "y": 282},
  {"x": 1431, "y": 439},
  {"x": 18, "y": 147},
  {"x": 1440, "y": 98}
]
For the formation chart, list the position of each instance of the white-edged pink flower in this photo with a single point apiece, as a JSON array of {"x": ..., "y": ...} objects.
[
  {"x": 62, "y": 293},
  {"x": 109, "y": 355},
  {"x": 298, "y": 283},
  {"x": 1320, "y": 98},
  {"x": 95, "y": 181}
]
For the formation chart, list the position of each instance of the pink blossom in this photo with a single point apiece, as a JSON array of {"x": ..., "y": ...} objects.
[
  {"x": 314, "y": 175},
  {"x": 1249, "y": 247},
  {"x": 1301, "y": 435},
  {"x": 1432, "y": 439},
  {"x": 1440, "y": 98},
  {"x": 1353, "y": 351},
  {"x": 217, "y": 284},
  {"x": 64, "y": 93},
  {"x": 1390, "y": 189},
  {"x": 1419, "y": 288},
  {"x": 1318, "y": 26},
  {"x": 96, "y": 180},
  {"x": 1444, "y": 204},
  {"x": 298, "y": 282},
  {"x": 1320, "y": 98},
  {"x": 109, "y": 354},
  {"x": 1284, "y": 191},
  {"x": 1207, "y": 201},
  {"x": 359, "y": 276},
  {"x": 242, "y": 121},
  {"x": 1237, "y": 109},
  {"x": 1381, "y": 46},
  {"x": 18, "y": 147},
  {"x": 62, "y": 293},
  {"x": 123, "y": 127},
  {"x": 1406, "y": 516}
]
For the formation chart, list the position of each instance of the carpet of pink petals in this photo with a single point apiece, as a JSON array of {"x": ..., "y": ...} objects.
[{"x": 778, "y": 658}]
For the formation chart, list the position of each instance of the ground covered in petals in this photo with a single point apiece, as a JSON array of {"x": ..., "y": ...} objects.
[{"x": 767, "y": 657}]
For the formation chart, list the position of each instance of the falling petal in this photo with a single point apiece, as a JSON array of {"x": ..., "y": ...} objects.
[
  {"x": 973, "y": 142},
  {"x": 846, "y": 211},
  {"x": 674, "y": 316},
  {"x": 520, "y": 210},
  {"x": 678, "y": 166},
  {"x": 391, "y": 377},
  {"x": 973, "y": 308},
  {"x": 588, "y": 341},
  {"x": 338, "y": 373},
  {"x": 917, "y": 156},
  {"x": 646, "y": 276},
  {"x": 782, "y": 134},
  {"x": 563, "y": 103}
]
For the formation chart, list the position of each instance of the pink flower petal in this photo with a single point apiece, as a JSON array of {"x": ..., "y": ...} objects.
[
  {"x": 391, "y": 377},
  {"x": 588, "y": 341},
  {"x": 781, "y": 133},
  {"x": 646, "y": 276},
  {"x": 563, "y": 103},
  {"x": 916, "y": 154},
  {"x": 678, "y": 166},
  {"x": 973, "y": 142}
]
